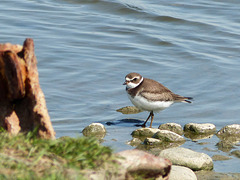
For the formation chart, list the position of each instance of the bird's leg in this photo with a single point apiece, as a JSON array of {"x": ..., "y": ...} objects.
[
  {"x": 144, "y": 124},
  {"x": 151, "y": 119}
]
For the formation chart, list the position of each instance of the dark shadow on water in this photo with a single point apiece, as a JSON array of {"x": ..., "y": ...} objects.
[{"x": 125, "y": 122}]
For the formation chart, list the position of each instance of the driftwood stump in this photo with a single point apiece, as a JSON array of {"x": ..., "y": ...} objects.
[{"x": 22, "y": 103}]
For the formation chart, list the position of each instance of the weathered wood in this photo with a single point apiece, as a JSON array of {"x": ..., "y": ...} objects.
[{"x": 22, "y": 103}]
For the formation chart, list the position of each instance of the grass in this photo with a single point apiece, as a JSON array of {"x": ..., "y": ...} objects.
[{"x": 28, "y": 157}]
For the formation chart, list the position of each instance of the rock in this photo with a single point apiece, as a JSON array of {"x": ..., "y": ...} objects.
[
  {"x": 134, "y": 142},
  {"x": 19, "y": 88},
  {"x": 188, "y": 158},
  {"x": 197, "y": 137},
  {"x": 195, "y": 128},
  {"x": 142, "y": 165},
  {"x": 236, "y": 153},
  {"x": 229, "y": 136},
  {"x": 168, "y": 136},
  {"x": 211, "y": 175},
  {"x": 174, "y": 127},
  {"x": 94, "y": 130},
  {"x": 220, "y": 158},
  {"x": 129, "y": 110},
  {"x": 230, "y": 130},
  {"x": 183, "y": 173},
  {"x": 144, "y": 132},
  {"x": 152, "y": 141},
  {"x": 225, "y": 145}
]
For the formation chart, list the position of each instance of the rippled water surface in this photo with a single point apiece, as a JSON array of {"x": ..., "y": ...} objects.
[{"x": 86, "y": 47}]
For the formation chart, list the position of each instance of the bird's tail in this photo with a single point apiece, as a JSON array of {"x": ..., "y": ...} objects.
[{"x": 186, "y": 99}]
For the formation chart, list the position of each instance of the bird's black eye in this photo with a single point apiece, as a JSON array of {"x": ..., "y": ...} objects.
[{"x": 134, "y": 79}]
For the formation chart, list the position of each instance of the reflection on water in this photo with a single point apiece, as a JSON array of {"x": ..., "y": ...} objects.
[{"x": 85, "y": 48}]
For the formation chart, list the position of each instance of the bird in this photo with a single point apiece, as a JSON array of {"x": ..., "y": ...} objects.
[{"x": 150, "y": 95}]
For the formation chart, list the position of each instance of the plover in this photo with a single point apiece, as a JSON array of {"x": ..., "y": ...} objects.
[{"x": 150, "y": 95}]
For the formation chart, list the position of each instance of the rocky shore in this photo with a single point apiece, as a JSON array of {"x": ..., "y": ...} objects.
[{"x": 158, "y": 153}]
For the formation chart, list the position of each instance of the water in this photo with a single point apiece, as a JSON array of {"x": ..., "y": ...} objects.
[{"x": 85, "y": 49}]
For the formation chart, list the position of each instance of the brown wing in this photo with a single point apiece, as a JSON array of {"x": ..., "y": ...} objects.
[{"x": 155, "y": 91}]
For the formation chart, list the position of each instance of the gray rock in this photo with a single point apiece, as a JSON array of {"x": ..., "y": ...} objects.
[
  {"x": 143, "y": 165},
  {"x": 195, "y": 128},
  {"x": 168, "y": 136},
  {"x": 144, "y": 132},
  {"x": 188, "y": 158},
  {"x": 183, "y": 173},
  {"x": 174, "y": 127},
  {"x": 94, "y": 130},
  {"x": 230, "y": 130}
]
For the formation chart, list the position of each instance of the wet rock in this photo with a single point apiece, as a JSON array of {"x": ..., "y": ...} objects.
[
  {"x": 142, "y": 165},
  {"x": 195, "y": 128},
  {"x": 129, "y": 110},
  {"x": 188, "y": 158},
  {"x": 144, "y": 132},
  {"x": 174, "y": 127},
  {"x": 225, "y": 145},
  {"x": 236, "y": 153},
  {"x": 220, "y": 158},
  {"x": 211, "y": 175},
  {"x": 94, "y": 130},
  {"x": 183, "y": 173},
  {"x": 168, "y": 136},
  {"x": 229, "y": 136},
  {"x": 197, "y": 137},
  {"x": 22, "y": 103},
  {"x": 230, "y": 130},
  {"x": 152, "y": 141},
  {"x": 134, "y": 142}
]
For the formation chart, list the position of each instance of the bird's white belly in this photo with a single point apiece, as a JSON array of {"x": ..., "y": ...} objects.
[{"x": 145, "y": 105}]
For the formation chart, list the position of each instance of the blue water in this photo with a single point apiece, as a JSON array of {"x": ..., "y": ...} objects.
[{"x": 85, "y": 48}]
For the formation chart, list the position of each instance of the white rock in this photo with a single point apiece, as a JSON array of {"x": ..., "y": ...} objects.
[
  {"x": 183, "y": 173},
  {"x": 188, "y": 158}
]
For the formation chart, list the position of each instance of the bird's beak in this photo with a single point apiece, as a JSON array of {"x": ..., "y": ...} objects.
[{"x": 125, "y": 83}]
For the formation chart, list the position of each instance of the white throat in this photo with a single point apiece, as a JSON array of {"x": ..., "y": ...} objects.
[{"x": 131, "y": 85}]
